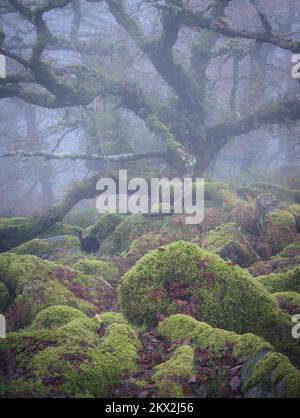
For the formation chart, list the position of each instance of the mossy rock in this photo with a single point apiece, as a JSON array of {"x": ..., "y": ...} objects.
[
  {"x": 82, "y": 218},
  {"x": 265, "y": 373},
  {"x": 108, "y": 318},
  {"x": 56, "y": 248},
  {"x": 94, "y": 235},
  {"x": 17, "y": 229},
  {"x": 280, "y": 229},
  {"x": 4, "y": 297},
  {"x": 169, "y": 374},
  {"x": 235, "y": 209},
  {"x": 288, "y": 302},
  {"x": 282, "y": 282},
  {"x": 141, "y": 246},
  {"x": 295, "y": 210},
  {"x": 56, "y": 315},
  {"x": 129, "y": 229},
  {"x": 97, "y": 267},
  {"x": 69, "y": 359},
  {"x": 30, "y": 284},
  {"x": 282, "y": 193},
  {"x": 287, "y": 259},
  {"x": 181, "y": 277},
  {"x": 62, "y": 229},
  {"x": 229, "y": 243}
]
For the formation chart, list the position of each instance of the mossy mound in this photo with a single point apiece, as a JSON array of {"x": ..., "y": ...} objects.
[
  {"x": 62, "y": 229},
  {"x": 181, "y": 277},
  {"x": 108, "y": 318},
  {"x": 287, "y": 259},
  {"x": 57, "y": 315},
  {"x": 128, "y": 230},
  {"x": 82, "y": 218},
  {"x": 97, "y": 267},
  {"x": 288, "y": 302},
  {"x": 70, "y": 359},
  {"x": 168, "y": 374},
  {"x": 280, "y": 229},
  {"x": 295, "y": 210},
  {"x": 93, "y": 236},
  {"x": 30, "y": 284},
  {"x": 282, "y": 193},
  {"x": 235, "y": 209},
  {"x": 282, "y": 282},
  {"x": 229, "y": 243},
  {"x": 141, "y": 246},
  {"x": 264, "y": 372},
  {"x": 13, "y": 231},
  {"x": 56, "y": 248}
]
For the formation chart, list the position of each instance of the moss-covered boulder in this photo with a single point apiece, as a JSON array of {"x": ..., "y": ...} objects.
[
  {"x": 141, "y": 246},
  {"x": 30, "y": 284},
  {"x": 129, "y": 229},
  {"x": 94, "y": 266},
  {"x": 279, "y": 229},
  {"x": 68, "y": 358},
  {"x": 82, "y": 218},
  {"x": 62, "y": 229},
  {"x": 264, "y": 372},
  {"x": 56, "y": 248},
  {"x": 288, "y": 302},
  {"x": 243, "y": 212},
  {"x": 295, "y": 210},
  {"x": 282, "y": 282},
  {"x": 229, "y": 243},
  {"x": 287, "y": 259},
  {"x": 181, "y": 277},
  {"x": 283, "y": 194},
  {"x": 93, "y": 236},
  {"x": 168, "y": 375},
  {"x": 57, "y": 315},
  {"x": 13, "y": 231}
]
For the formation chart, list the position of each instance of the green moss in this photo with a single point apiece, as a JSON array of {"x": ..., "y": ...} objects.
[
  {"x": 282, "y": 193},
  {"x": 228, "y": 242},
  {"x": 36, "y": 246},
  {"x": 282, "y": 282},
  {"x": 4, "y": 297},
  {"x": 109, "y": 318},
  {"x": 283, "y": 219},
  {"x": 122, "y": 342},
  {"x": 288, "y": 302},
  {"x": 97, "y": 267},
  {"x": 129, "y": 229},
  {"x": 94, "y": 235},
  {"x": 33, "y": 284},
  {"x": 168, "y": 374},
  {"x": 68, "y": 360},
  {"x": 265, "y": 373},
  {"x": 62, "y": 229},
  {"x": 276, "y": 371},
  {"x": 223, "y": 296},
  {"x": 290, "y": 251},
  {"x": 82, "y": 218},
  {"x": 280, "y": 229},
  {"x": 180, "y": 327},
  {"x": 57, "y": 315},
  {"x": 14, "y": 230},
  {"x": 56, "y": 248}
]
